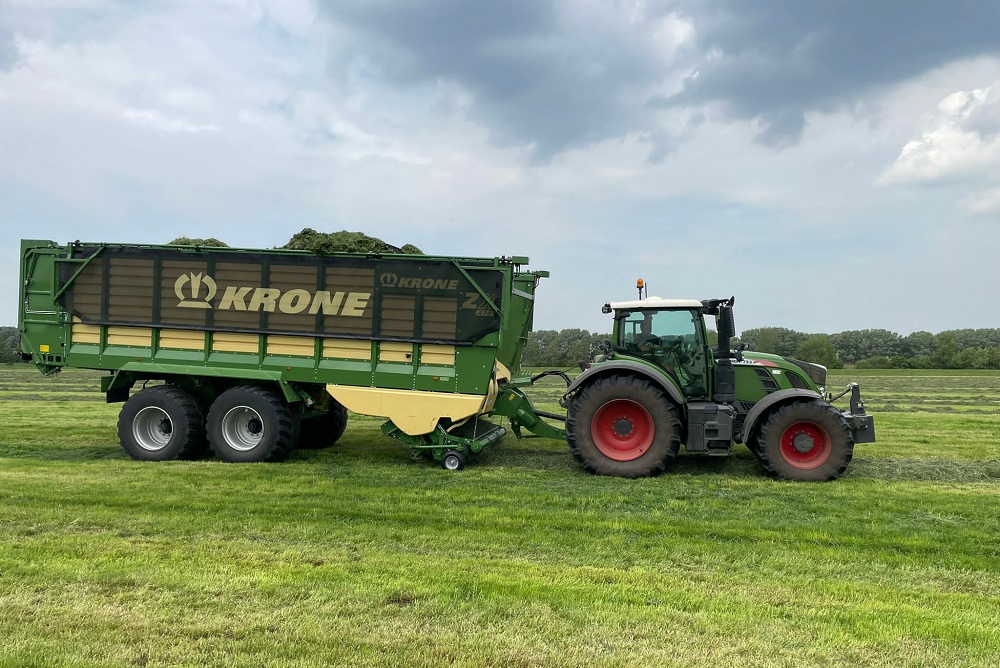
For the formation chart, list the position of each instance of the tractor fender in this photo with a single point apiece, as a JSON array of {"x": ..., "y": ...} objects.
[
  {"x": 770, "y": 401},
  {"x": 608, "y": 368}
]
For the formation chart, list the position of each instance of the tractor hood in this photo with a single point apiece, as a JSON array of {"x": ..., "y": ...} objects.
[{"x": 815, "y": 372}]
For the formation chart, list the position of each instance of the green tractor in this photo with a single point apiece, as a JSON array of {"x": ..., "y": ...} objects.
[{"x": 658, "y": 384}]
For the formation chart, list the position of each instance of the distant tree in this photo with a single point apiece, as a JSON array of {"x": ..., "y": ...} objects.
[
  {"x": 866, "y": 343},
  {"x": 880, "y": 362},
  {"x": 564, "y": 348},
  {"x": 916, "y": 344},
  {"x": 211, "y": 242},
  {"x": 819, "y": 350},
  {"x": 776, "y": 340},
  {"x": 10, "y": 350},
  {"x": 900, "y": 362},
  {"x": 944, "y": 355},
  {"x": 344, "y": 242},
  {"x": 978, "y": 358},
  {"x": 975, "y": 338}
]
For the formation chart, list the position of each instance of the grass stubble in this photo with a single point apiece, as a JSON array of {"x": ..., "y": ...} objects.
[{"x": 357, "y": 556}]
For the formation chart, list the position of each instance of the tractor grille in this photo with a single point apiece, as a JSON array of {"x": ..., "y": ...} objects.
[
  {"x": 767, "y": 380},
  {"x": 796, "y": 381}
]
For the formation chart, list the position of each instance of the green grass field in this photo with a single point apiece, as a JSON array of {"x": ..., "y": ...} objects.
[{"x": 357, "y": 556}]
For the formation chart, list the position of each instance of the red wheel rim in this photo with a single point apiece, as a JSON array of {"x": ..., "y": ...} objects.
[
  {"x": 805, "y": 445},
  {"x": 622, "y": 430}
]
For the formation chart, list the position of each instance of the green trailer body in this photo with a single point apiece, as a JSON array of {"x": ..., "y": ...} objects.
[{"x": 424, "y": 341}]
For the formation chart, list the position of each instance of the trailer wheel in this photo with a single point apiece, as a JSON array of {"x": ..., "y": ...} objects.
[
  {"x": 161, "y": 423},
  {"x": 807, "y": 441},
  {"x": 251, "y": 424},
  {"x": 452, "y": 460},
  {"x": 325, "y": 430},
  {"x": 623, "y": 426}
]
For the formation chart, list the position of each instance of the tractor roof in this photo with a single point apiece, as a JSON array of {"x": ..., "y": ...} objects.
[{"x": 656, "y": 302}]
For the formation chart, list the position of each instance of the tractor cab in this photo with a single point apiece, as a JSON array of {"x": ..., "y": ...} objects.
[{"x": 669, "y": 333}]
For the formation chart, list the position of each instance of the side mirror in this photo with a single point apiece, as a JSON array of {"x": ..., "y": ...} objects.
[{"x": 727, "y": 325}]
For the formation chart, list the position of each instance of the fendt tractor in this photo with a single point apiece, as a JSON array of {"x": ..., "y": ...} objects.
[{"x": 252, "y": 353}]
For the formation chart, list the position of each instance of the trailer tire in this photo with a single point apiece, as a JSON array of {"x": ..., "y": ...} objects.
[
  {"x": 161, "y": 423},
  {"x": 251, "y": 424},
  {"x": 452, "y": 460},
  {"x": 623, "y": 426},
  {"x": 805, "y": 440},
  {"x": 325, "y": 430}
]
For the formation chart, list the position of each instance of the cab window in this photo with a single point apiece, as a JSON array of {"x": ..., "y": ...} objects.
[{"x": 672, "y": 340}]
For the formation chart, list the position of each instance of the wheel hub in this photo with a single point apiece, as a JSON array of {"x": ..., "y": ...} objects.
[
  {"x": 803, "y": 443},
  {"x": 622, "y": 427},
  {"x": 151, "y": 428}
]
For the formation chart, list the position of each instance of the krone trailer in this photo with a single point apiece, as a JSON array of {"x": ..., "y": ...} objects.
[{"x": 262, "y": 351}]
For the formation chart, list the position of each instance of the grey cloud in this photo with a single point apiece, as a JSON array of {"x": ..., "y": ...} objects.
[
  {"x": 8, "y": 49},
  {"x": 563, "y": 76},
  {"x": 774, "y": 60},
  {"x": 538, "y": 74}
]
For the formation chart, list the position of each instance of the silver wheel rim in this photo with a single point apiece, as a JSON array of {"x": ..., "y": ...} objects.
[
  {"x": 451, "y": 462},
  {"x": 152, "y": 428},
  {"x": 242, "y": 428}
]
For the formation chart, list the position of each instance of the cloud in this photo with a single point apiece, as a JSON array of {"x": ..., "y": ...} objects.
[
  {"x": 552, "y": 75},
  {"x": 776, "y": 60},
  {"x": 164, "y": 123},
  {"x": 8, "y": 49},
  {"x": 558, "y": 75},
  {"x": 965, "y": 141},
  {"x": 983, "y": 203}
]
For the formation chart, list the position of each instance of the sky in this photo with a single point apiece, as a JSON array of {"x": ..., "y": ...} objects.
[{"x": 833, "y": 165}]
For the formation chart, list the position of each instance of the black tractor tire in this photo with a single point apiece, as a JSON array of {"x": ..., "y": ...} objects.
[
  {"x": 623, "y": 426},
  {"x": 323, "y": 431},
  {"x": 251, "y": 424},
  {"x": 161, "y": 423},
  {"x": 805, "y": 440}
]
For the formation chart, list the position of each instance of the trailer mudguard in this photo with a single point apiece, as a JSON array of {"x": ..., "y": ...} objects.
[
  {"x": 128, "y": 374},
  {"x": 606, "y": 368},
  {"x": 770, "y": 401}
]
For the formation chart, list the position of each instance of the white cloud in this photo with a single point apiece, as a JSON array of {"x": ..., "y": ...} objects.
[
  {"x": 159, "y": 121},
  {"x": 983, "y": 203},
  {"x": 963, "y": 142}
]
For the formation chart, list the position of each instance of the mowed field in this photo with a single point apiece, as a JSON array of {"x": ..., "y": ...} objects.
[{"x": 358, "y": 556}]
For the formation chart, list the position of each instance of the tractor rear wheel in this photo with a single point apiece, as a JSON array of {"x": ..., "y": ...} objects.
[
  {"x": 623, "y": 426},
  {"x": 251, "y": 424},
  {"x": 325, "y": 430},
  {"x": 161, "y": 423},
  {"x": 806, "y": 441}
]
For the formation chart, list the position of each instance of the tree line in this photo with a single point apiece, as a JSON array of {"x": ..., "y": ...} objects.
[{"x": 863, "y": 348}]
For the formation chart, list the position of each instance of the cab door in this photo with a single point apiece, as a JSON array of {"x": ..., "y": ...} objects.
[{"x": 671, "y": 339}]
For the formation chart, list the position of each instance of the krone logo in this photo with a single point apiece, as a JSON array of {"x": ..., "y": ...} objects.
[
  {"x": 388, "y": 280},
  {"x": 196, "y": 282}
]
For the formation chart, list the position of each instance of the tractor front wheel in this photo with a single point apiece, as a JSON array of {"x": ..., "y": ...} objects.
[
  {"x": 807, "y": 441},
  {"x": 623, "y": 426}
]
